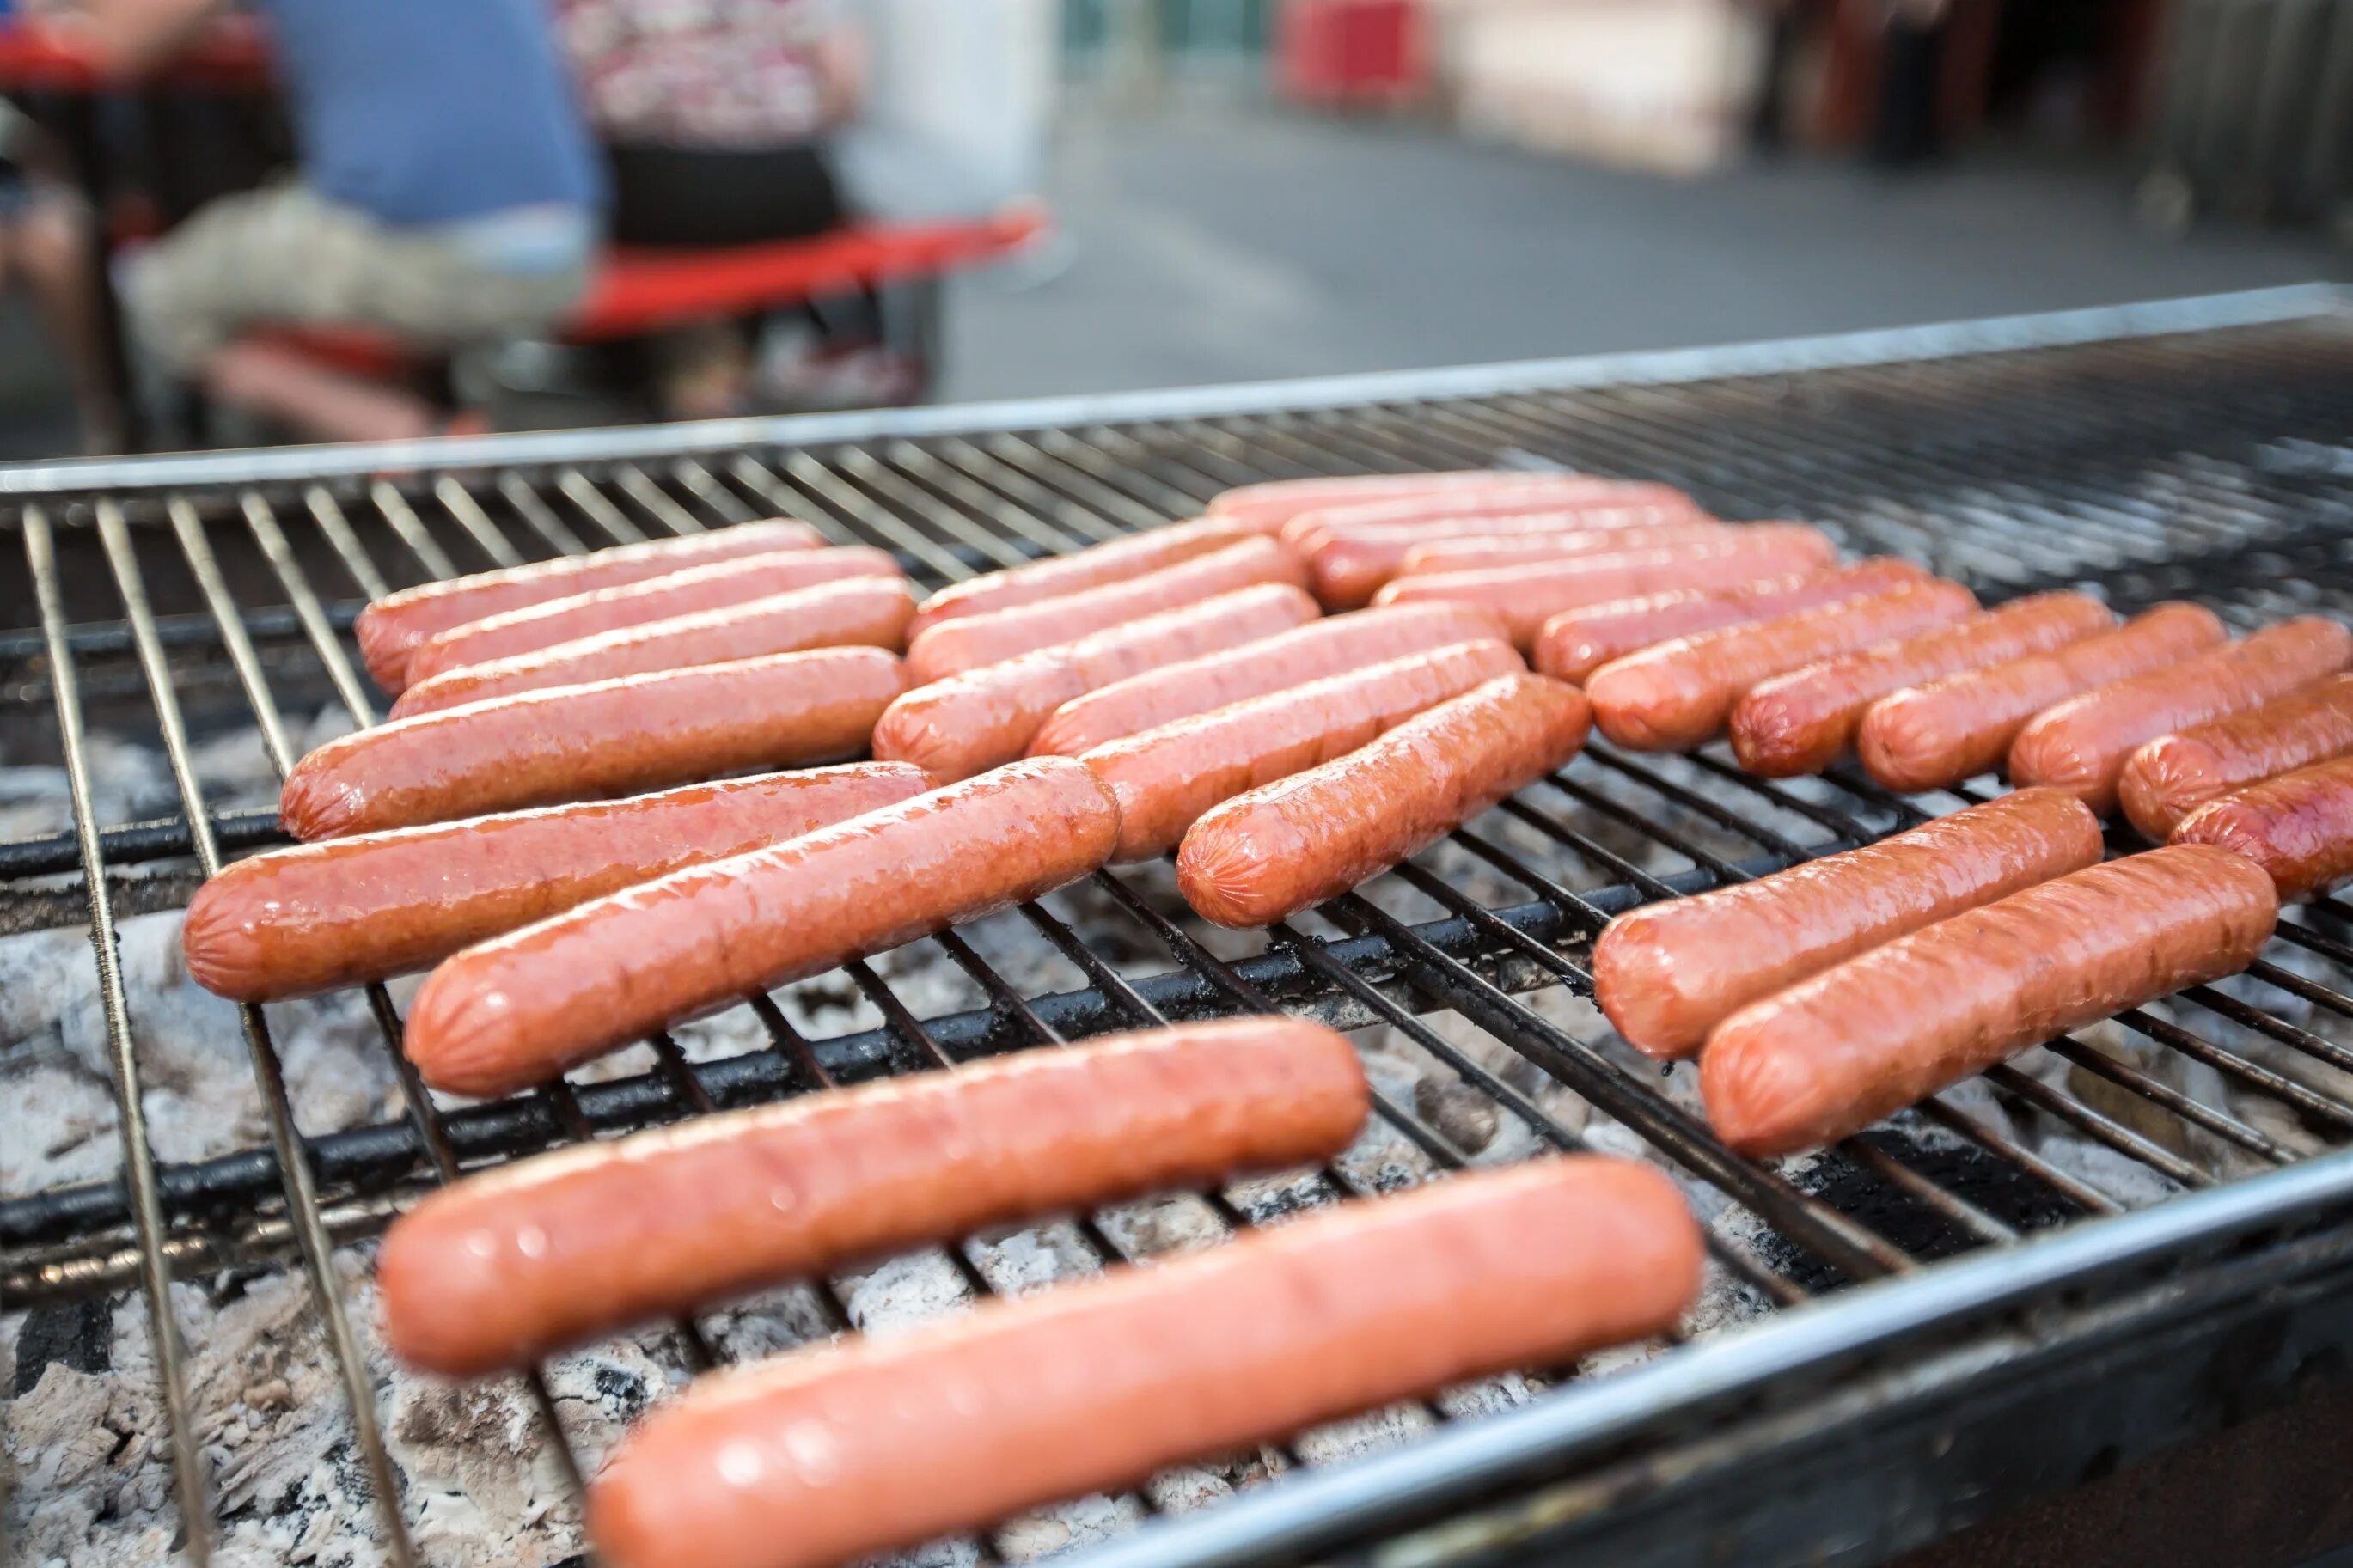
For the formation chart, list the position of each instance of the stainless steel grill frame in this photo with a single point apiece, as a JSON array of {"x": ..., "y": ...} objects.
[{"x": 2194, "y": 448}]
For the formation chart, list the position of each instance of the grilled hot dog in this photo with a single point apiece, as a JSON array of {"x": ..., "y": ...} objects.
[
  {"x": 2298, "y": 828},
  {"x": 1574, "y": 643},
  {"x": 2173, "y": 775},
  {"x": 1483, "y": 551},
  {"x": 1348, "y": 562},
  {"x": 1438, "y": 513},
  {"x": 1117, "y": 562},
  {"x": 1267, "y": 507}
]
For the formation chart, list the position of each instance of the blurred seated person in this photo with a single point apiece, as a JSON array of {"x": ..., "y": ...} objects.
[
  {"x": 45, "y": 239},
  {"x": 448, "y": 193}
]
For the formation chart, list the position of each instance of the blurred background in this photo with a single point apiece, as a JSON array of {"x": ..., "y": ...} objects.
[{"x": 311, "y": 219}]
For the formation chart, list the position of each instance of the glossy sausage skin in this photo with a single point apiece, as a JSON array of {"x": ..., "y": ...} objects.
[
  {"x": 1803, "y": 722},
  {"x": 2298, "y": 828},
  {"x": 1526, "y": 598},
  {"x": 1938, "y": 734},
  {"x": 388, "y": 629},
  {"x": 720, "y": 585},
  {"x": 857, "y": 612},
  {"x": 585, "y": 743},
  {"x": 1890, "y": 1028},
  {"x": 296, "y": 922},
  {"x": 1667, "y": 974},
  {"x": 1554, "y": 497},
  {"x": 1574, "y": 643},
  {"x": 1678, "y": 695},
  {"x": 1349, "y": 562},
  {"x": 521, "y": 1008},
  {"x": 511, "y": 1265},
  {"x": 2083, "y": 743},
  {"x": 1267, "y": 855},
  {"x": 835, "y": 1452},
  {"x": 1482, "y": 552},
  {"x": 1306, "y": 652},
  {"x": 1117, "y": 562},
  {"x": 969, "y": 722},
  {"x": 1164, "y": 778},
  {"x": 992, "y": 636},
  {"x": 1265, "y": 508},
  {"x": 2175, "y": 774}
]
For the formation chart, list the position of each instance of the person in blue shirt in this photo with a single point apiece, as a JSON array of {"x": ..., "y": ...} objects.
[{"x": 449, "y": 193}]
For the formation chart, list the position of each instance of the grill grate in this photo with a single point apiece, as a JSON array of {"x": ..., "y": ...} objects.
[{"x": 2181, "y": 453}]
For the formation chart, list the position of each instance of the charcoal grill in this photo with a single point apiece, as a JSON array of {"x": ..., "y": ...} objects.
[{"x": 2090, "y": 1256}]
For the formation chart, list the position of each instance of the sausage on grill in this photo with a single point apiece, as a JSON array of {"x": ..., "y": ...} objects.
[
  {"x": 1164, "y": 779},
  {"x": 1306, "y": 652},
  {"x": 1886, "y": 1029},
  {"x": 1483, "y": 551},
  {"x": 957, "y": 727},
  {"x": 1267, "y": 855},
  {"x": 583, "y": 742},
  {"x": 296, "y": 922},
  {"x": 836, "y": 1452},
  {"x": 511, "y": 1265},
  {"x": 1267, "y": 507},
  {"x": 1527, "y": 596},
  {"x": 1553, "y": 496},
  {"x": 1574, "y": 643},
  {"x": 1936, "y": 735},
  {"x": 857, "y": 612},
  {"x": 1667, "y": 974},
  {"x": 720, "y": 585},
  {"x": 1093, "y": 567},
  {"x": 521, "y": 1008},
  {"x": 2175, "y": 774},
  {"x": 1349, "y": 562},
  {"x": 388, "y": 629},
  {"x": 991, "y": 637},
  {"x": 2083, "y": 743},
  {"x": 1803, "y": 722},
  {"x": 2298, "y": 828},
  {"x": 1678, "y": 695}
]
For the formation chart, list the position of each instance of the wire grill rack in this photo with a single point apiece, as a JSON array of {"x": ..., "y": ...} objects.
[{"x": 2194, "y": 449}]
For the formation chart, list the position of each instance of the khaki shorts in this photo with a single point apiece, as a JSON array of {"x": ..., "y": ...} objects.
[{"x": 287, "y": 256}]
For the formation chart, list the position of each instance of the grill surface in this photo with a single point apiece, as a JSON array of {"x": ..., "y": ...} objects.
[{"x": 2196, "y": 449}]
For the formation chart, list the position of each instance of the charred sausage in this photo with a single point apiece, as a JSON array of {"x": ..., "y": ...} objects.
[
  {"x": 2173, "y": 775},
  {"x": 960, "y": 726},
  {"x": 1574, "y": 643},
  {"x": 1667, "y": 974},
  {"x": 1803, "y": 722},
  {"x": 295, "y": 922},
  {"x": 2298, "y": 828},
  {"x": 511, "y": 1265},
  {"x": 521, "y": 1008},
  {"x": 1889, "y": 1028},
  {"x": 1117, "y": 562},
  {"x": 581, "y": 742},
  {"x": 836, "y": 1452},
  {"x": 2083, "y": 743},
  {"x": 393, "y": 625},
  {"x": 1938, "y": 734},
  {"x": 1266, "y": 854}
]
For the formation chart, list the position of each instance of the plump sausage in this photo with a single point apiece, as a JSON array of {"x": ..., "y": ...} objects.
[
  {"x": 1349, "y": 562},
  {"x": 1679, "y": 694},
  {"x": 2173, "y": 775},
  {"x": 1803, "y": 722},
  {"x": 508, "y": 1266},
  {"x": 2083, "y": 743},
  {"x": 1573, "y": 643},
  {"x": 1482, "y": 552},
  {"x": 719, "y": 585},
  {"x": 393, "y": 625},
  {"x": 1306, "y": 652},
  {"x": 581, "y": 742},
  {"x": 1164, "y": 778},
  {"x": 1117, "y": 562},
  {"x": 1553, "y": 496},
  {"x": 1889, "y": 1028},
  {"x": 2298, "y": 828},
  {"x": 1266, "y": 854},
  {"x": 1936, "y": 735},
  {"x": 1665, "y": 974},
  {"x": 835, "y": 1452},
  {"x": 968, "y": 642},
  {"x": 1266, "y": 507},
  {"x": 969, "y": 722},
  {"x": 296, "y": 922},
  {"x": 521, "y": 1008},
  {"x": 857, "y": 612},
  {"x": 1527, "y": 596}
]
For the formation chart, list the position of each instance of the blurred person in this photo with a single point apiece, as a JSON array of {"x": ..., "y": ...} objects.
[
  {"x": 957, "y": 97},
  {"x": 45, "y": 244},
  {"x": 448, "y": 193}
]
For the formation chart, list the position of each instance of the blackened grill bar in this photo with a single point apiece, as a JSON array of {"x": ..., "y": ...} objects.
[{"x": 2162, "y": 450}]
